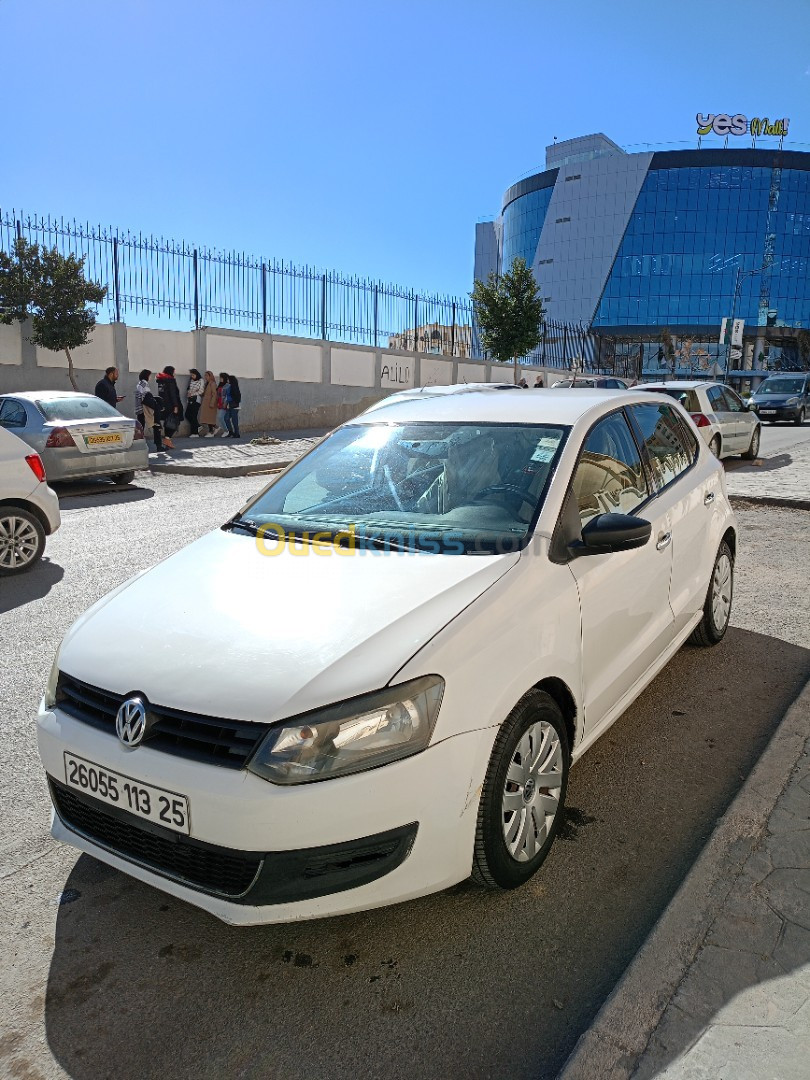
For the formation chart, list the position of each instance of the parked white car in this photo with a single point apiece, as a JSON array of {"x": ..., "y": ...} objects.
[
  {"x": 29, "y": 509},
  {"x": 725, "y": 422},
  {"x": 427, "y": 620}
]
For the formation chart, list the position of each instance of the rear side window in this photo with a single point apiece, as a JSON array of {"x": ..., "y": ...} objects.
[
  {"x": 609, "y": 478},
  {"x": 716, "y": 399},
  {"x": 662, "y": 433},
  {"x": 83, "y": 408},
  {"x": 12, "y": 414},
  {"x": 687, "y": 398}
]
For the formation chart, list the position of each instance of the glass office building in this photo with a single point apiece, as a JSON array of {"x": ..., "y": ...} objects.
[{"x": 630, "y": 244}]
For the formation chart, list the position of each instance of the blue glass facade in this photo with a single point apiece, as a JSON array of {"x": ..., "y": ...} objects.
[
  {"x": 692, "y": 228},
  {"x": 522, "y": 224}
]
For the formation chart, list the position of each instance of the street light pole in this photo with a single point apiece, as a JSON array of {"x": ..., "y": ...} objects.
[{"x": 737, "y": 289}]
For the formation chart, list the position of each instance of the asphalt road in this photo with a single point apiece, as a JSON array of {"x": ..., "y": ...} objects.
[{"x": 103, "y": 977}]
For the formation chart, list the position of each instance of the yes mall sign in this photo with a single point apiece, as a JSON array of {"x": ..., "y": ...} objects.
[{"x": 738, "y": 124}]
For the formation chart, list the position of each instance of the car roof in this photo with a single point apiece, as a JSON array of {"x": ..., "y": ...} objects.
[
  {"x": 681, "y": 384},
  {"x": 40, "y": 395},
  {"x": 546, "y": 406}
]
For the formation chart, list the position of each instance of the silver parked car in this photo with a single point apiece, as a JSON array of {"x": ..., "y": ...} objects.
[
  {"x": 591, "y": 382},
  {"x": 722, "y": 417},
  {"x": 76, "y": 435}
]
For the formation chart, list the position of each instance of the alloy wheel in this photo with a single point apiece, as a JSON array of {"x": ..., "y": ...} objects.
[
  {"x": 18, "y": 542},
  {"x": 531, "y": 796},
  {"x": 721, "y": 592},
  {"x": 755, "y": 443}
]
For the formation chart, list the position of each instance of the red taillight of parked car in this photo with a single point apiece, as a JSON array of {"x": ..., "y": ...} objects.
[
  {"x": 60, "y": 436},
  {"x": 138, "y": 431},
  {"x": 700, "y": 420},
  {"x": 36, "y": 466}
]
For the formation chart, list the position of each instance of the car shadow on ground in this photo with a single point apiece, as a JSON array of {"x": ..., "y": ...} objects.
[
  {"x": 761, "y": 465},
  {"x": 467, "y": 983},
  {"x": 85, "y": 496},
  {"x": 20, "y": 589}
]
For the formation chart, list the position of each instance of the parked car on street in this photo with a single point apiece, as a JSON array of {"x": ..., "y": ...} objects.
[
  {"x": 76, "y": 435},
  {"x": 590, "y": 382},
  {"x": 724, "y": 421},
  {"x": 29, "y": 510},
  {"x": 427, "y": 620},
  {"x": 783, "y": 397}
]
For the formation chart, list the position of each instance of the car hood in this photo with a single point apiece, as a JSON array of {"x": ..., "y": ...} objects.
[
  {"x": 223, "y": 630},
  {"x": 774, "y": 399}
]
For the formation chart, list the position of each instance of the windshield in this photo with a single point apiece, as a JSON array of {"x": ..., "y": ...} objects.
[
  {"x": 428, "y": 487},
  {"x": 687, "y": 398},
  {"x": 781, "y": 386},
  {"x": 78, "y": 408}
]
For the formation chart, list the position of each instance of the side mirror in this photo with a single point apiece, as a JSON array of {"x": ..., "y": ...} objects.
[{"x": 611, "y": 532}]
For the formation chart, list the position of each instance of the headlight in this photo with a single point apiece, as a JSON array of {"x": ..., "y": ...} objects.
[
  {"x": 792, "y": 401},
  {"x": 51, "y": 686},
  {"x": 355, "y": 735}
]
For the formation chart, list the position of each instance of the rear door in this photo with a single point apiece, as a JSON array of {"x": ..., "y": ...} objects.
[
  {"x": 743, "y": 420},
  {"x": 624, "y": 596},
  {"x": 687, "y": 489}
]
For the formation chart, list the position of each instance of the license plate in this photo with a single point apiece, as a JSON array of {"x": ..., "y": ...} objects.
[
  {"x": 165, "y": 808},
  {"x": 768, "y": 412},
  {"x": 113, "y": 439}
]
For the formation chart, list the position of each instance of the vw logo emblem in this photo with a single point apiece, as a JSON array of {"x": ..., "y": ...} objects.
[{"x": 130, "y": 722}]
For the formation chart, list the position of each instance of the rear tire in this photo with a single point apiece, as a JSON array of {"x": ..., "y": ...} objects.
[
  {"x": 752, "y": 452},
  {"x": 122, "y": 478},
  {"x": 714, "y": 446},
  {"x": 800, "y": 418},
  {"x": 717, "y": 608},
  {"x": 523, "y": 796},
  {"x": 22, "y": 540}
]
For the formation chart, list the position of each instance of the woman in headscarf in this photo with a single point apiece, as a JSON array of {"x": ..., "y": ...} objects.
[
  {"x": 194, "y": 400},
  {"x": 208, "y": 406}
]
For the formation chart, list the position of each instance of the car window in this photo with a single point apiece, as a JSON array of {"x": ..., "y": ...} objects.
[
  {"x": 733, "y": 403},
  {"x": 609, "y": 477},
  {"x": 12, "y": 414},
  {"x": 78, "y": 408},
  {"x": 779, "y": 385},
  {"x": 661, "y": 431},
  {"x": 687, "y": 398},
  {"x": 716, "y": 399}
]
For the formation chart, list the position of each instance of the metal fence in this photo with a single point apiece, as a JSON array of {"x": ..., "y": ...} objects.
[{"x": 176, "y": 282}]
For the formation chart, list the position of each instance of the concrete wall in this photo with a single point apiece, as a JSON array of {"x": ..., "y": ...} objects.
[{"x": 286, "y": 382}]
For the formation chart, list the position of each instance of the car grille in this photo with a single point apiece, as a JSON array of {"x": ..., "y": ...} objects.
[
  {"x": 203, "y": 866},
  {"x": 228, "y": 743}
]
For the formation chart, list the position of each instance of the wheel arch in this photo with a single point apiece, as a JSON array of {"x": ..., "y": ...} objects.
[
  {"x": 730, "y": 537},
  {"x": 30, "y": 508},
  {"x": 560, "y": 692}
]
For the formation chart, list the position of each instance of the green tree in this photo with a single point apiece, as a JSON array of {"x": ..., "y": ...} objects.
[
  {"x": 510, "y": 313},
  {"x": 51, "y": 290}
]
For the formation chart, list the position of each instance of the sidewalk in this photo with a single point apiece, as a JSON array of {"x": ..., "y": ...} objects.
[
  {"x": 782, "y": 480},
  {"x": 721, "y": 988},
  {"x": 234, "y": 457}
]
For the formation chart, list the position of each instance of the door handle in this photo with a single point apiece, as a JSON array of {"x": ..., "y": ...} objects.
[
  {"x": 664, "y": 540},
  {"x": 708, "y": 498}
]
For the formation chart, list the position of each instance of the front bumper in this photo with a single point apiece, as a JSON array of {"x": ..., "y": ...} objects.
[
  {"x": 259, "y": 853},
  {"x": 778, "y": 412}
]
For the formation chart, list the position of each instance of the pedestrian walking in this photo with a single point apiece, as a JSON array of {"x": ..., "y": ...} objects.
[
  {"x": 194, "y": 400},
  {"x": 105, "y": 388},
  {"x": 149, "y": 411},
  {"x": 538, "y": 383},
  {"x": 233, "y": 400},
  {"x": 208, "y": 406},
  {"x": 169, "y": 394},
  {"x": 223, "y": 383}
]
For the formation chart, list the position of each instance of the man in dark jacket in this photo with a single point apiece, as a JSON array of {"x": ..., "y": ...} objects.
[
  {"x": 170, "y": 396},
  {"x": 105, "y": 388}
]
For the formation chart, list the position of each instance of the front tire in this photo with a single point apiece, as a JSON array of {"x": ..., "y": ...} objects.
[
  {"x": 523, "y": 795},
  {"x": 22, "y": 540},
  {"x": 123, "y": 478},
  {"x": 753, "y": 450},
  {"x": 717, "y": 609},
  {"x": 800, "y": 418}
]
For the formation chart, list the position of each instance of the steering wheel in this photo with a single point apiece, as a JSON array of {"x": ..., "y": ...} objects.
[{"x": 502, "y": 489}]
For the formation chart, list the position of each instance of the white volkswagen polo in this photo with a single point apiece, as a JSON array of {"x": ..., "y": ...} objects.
[{"x": 393, "y": 654}]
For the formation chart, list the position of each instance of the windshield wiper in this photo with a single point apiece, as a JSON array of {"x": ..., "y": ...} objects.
[{"x": 248, "y": 524}]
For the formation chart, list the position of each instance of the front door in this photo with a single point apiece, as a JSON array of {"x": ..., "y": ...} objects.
[{"x": 624, "y": 596}]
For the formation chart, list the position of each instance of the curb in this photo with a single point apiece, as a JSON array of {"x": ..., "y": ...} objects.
[
  {"x": 612, "y": 1046},
  {"x": 255, "y": 468},
  {"x": 769, "y": 500}
]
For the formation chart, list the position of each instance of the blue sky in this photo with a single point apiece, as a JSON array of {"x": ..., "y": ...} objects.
[{"x": 362, "y": 136}]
